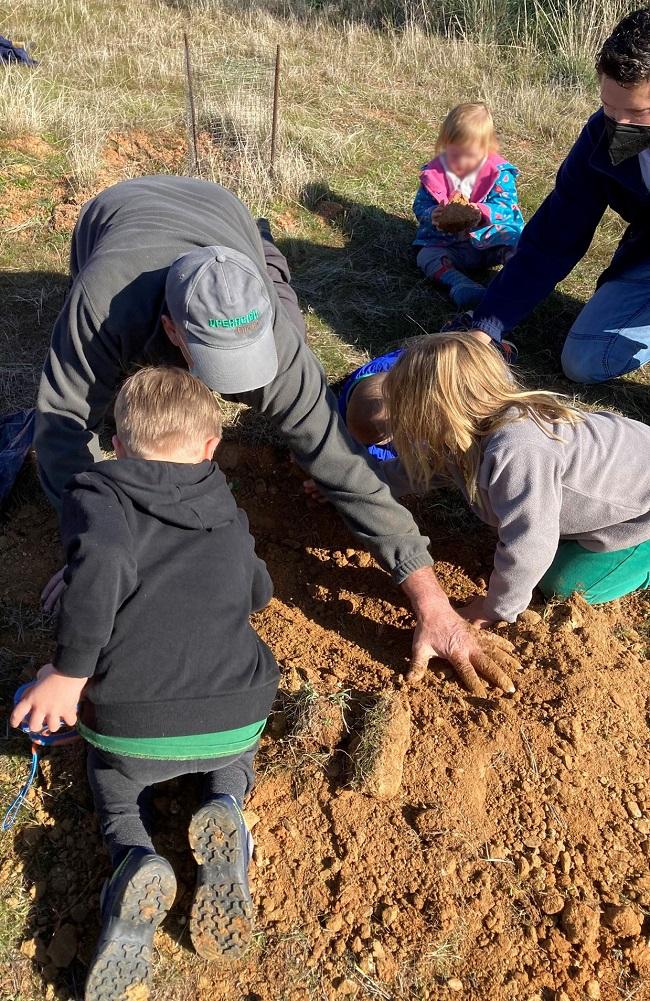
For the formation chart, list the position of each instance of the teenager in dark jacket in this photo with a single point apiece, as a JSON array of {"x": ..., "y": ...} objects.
[
  {"x": 609, "y": 166},
  {"x": 155, "y": 644}
]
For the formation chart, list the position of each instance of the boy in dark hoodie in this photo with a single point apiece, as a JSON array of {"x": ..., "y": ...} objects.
[{"x": 155, "y": 644}]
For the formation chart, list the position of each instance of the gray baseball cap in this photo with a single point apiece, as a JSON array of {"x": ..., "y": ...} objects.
[{"x": 217, "y": 296}]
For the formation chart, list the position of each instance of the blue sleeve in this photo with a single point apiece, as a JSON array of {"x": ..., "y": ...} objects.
[
  {"x": 383, "y": 363},
  {"x": 505, "y": 219},
  {"x": 552, "y": 243},
  {"x": 423, "y": 205}
]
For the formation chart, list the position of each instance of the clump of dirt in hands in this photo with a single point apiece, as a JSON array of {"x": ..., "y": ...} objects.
[
  {"x": 511, "y": 865},
  {"x": 457, "y": 215}
]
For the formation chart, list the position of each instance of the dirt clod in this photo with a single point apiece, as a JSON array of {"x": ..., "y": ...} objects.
[
  {"x": 454, "y": 984},
  {"x": 347, "y": 987},
  {"x": 63, "y": 947},
  {"x": 28, "y": 948},
  {"x": 137, "y": 992},
  {"x": 315, "y": 719},
  {"x": 624, "y": 921},
  {"x": 552, "y": 903},
  {"x": 580, "y": 923},
  {"x": 380, "y": 752}
]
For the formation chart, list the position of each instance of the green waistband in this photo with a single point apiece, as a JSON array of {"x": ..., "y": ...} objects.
[{"x": 200, "y": 745}]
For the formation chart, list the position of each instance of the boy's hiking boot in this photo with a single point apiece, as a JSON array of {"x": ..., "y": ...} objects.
[
  {"x": 221, "y": 922},
  {"x": 134, "y": 902}
]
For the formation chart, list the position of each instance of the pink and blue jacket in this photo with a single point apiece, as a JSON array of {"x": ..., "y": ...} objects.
[{"x": 494, "y": 192}]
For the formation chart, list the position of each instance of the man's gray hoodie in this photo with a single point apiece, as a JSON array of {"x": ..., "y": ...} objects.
[{"x": 122, "y": 246}]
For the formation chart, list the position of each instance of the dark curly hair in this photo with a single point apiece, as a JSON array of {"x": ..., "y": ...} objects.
[{"x": 625, "y": 55}]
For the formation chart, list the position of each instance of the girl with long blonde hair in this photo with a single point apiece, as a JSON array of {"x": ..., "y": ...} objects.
[{"x": 568, "y": 491}]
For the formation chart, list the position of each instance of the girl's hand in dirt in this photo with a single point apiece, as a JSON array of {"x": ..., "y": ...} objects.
[
  {"x": 314, "y": 492},
  {"x": 53, "y": 590},
  {"x": 52, "y": 699},
  {"x": 474, "y": 613}
]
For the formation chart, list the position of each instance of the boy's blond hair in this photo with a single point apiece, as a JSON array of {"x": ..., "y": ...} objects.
[
  {"x": 448, "y": 391},
  {"x": 468, "y": 123},
  {"x": 164, "y": 408}
]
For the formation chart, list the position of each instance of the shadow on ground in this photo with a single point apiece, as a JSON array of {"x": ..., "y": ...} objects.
[{"x": 31, "y": 301}]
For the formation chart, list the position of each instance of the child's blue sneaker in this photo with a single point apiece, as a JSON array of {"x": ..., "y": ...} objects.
[
  {"x": 264, "y": 226},
  {"x": 221, "y": 922},
  {"x": 463, "y": 292},
  {"x": 134, "y": 902}
]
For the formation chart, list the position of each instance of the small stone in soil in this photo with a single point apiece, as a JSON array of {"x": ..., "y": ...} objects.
[
  {"x": 623, "y": 921},
  {"x": 63, "y": 947}
]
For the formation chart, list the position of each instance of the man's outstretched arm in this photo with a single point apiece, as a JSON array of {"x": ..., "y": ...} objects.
[
  {"x": 304, "y": 410},
  {"x": 552, "y": 243}
]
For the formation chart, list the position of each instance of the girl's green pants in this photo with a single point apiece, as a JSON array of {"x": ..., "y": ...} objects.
[{"x": 598, "y": 577}]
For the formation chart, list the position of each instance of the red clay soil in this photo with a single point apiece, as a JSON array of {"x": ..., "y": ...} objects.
[
  {"x": 513, "y": 863},
  {"x": 126, "y": 154}
]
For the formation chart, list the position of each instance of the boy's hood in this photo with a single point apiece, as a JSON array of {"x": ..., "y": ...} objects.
[
  {"x": 434, "y": 178},
  {"x": 186, "y": 495}
]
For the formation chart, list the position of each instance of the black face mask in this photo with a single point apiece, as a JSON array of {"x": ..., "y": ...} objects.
[{"x": 626, "y": 140}]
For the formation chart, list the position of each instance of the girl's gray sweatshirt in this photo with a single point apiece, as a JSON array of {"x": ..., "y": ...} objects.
[{"x": 592, "y": 486}]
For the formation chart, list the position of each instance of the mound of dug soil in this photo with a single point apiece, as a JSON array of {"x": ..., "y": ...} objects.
[{"x": 512, "y": 862}]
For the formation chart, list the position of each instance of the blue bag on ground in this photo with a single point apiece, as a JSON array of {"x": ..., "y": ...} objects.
[
  {"x": 16, "y": 436},
  {"x": 10, "y": 53}
]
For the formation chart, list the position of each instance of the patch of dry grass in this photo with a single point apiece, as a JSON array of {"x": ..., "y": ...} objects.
[
  {"x": 109, "y": 65},
  {"x": 370, "y": 744}
]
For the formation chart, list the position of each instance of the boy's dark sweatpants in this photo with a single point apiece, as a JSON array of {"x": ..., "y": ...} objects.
[{"x": 121, "y": 788}]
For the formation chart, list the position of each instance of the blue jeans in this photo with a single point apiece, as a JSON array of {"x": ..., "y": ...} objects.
[{"x": 611, "y": 335}]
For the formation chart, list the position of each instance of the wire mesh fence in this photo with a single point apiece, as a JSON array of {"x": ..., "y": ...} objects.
[{"x": 231, "y": 115}]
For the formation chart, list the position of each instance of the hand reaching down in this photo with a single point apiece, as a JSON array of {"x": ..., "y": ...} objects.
[
  {"x": 475, "y": 614},
  {"x": 314, "y": 492},
  {"x": 474, "y": 657}
]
